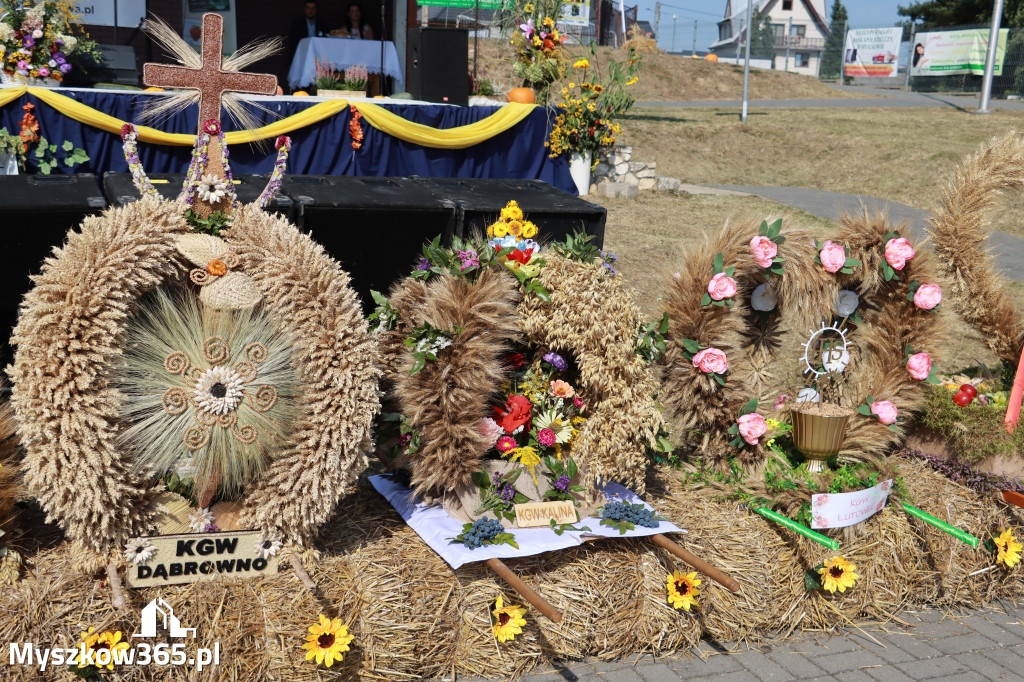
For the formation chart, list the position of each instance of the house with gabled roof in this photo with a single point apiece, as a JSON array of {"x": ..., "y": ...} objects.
[{"x": 799, "y": 31}]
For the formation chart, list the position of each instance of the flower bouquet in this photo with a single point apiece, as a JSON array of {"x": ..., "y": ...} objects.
[
  {"x": 34, "y": 41},
  {"x": 540, "y": 59},
  {"x": 332, "y": 82}
]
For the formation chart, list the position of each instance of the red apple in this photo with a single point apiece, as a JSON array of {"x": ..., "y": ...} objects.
[
  {"x": 962, "y": 399},
  {"x": 970, "y": 390}
]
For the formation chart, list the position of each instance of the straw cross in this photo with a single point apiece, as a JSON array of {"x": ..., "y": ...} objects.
[{"x": 211, "y": 80}]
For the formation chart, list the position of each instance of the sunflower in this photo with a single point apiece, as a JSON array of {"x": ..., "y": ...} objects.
[
  {"x": 837, "y": 574},
  {"x": 327, "y": 641},
  {"x": 598, "y": 88},
  {"x": 682, "y": 590},
  {"x": 507, "y": 621},
  {"x": 98, "y": 641},
  {"x": 529, "y": 230},
  {"x": 581, "y": 64},
  {"x": 528, "y": 8},
  {"x": 548, "y": 21},
  {"x": 511, "y": 211},
  {"x": 584, "y": 86},
  {"x": 1009, "y": 549}
]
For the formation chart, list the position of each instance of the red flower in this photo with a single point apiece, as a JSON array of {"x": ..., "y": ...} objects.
[
  {"x": 283, "y": 141},
  {"x": 522, "y": 256},
  {"x": 513, "y": 361},
  {"x": 549, "y": 44},
  {"x": 515, "y": 415},
  {"x": 211, "y": 127},
  {"x": 127, "y": 129}
]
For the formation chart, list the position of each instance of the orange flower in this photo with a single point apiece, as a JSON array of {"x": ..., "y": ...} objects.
[{"x": 217, "y": 268}]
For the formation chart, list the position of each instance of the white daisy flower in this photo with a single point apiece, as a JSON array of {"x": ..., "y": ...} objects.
[
  {"x": 139, "y": 551},
  {"x": 219, "y": 390},
  {"x": 269, "y": 545},
  {"x": 211, "y": 188},
  {"x": 200, "y": 519}
]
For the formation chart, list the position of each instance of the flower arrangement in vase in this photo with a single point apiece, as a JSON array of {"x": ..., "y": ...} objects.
[
  {"x": 34, "y": 40},
  {"x": 540, "y": 58},
  {"x": 332, "y": 82}
]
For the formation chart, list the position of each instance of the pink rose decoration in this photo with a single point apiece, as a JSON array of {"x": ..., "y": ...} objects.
[
  {"x": 489, "y": 429},
  {"x": 752, "y": 427},
  {"x": 721, "y": 286},
  {"x": 711, "y": 361},
  {"x": 928, "y": 296},
  {"x": 919, "y": 365},
  {"x": 833, "y": 256},
  {"x": 885, "y": 411},
  {"x": 764, "y": 250},
  {"x": 898, "y": 252},
  {"x": 780, "y": 402}
]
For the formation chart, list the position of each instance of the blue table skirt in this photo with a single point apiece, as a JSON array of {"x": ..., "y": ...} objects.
[{"x": 323, "y": 148}]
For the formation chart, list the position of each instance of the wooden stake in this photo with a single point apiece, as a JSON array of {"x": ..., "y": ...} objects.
[
  {"x": 117, "y": 599},
  {"x": 524, "y": 590},
  {"x": 1016, "y": 394},
  {"x": 719, "y": 576},
  {"x": 300, "y": 571}
]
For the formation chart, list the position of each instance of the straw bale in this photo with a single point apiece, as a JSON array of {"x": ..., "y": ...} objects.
[
  {"x": 949, "y": 562},
  {"x": 10, "y": 488}
]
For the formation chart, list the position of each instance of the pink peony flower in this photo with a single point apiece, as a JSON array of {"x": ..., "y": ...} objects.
[
  {"x": 928, "y": 296},
  {"x": 44, "y": 72},
  {"x": 833, "y": 256},
  {"x": 721, "y": 287},
  {"x": 919, "y": 365},
  {"x": 22, "y": 64},
  {"x": 780, "y": 402},
  {"x": 546, "y": 437},
  {"x": 711, "y": 361},
  {"x": 898, "y": 252},
  {"x": 577, "y": 401},
  {"x": 561, "y": 389},
  {"x": 506, "y": 444},
  {"x": 764, "y": 250},
  {"x": 489, "y": 429},
  {"x": 752, "y": 427},
  {"x": 885, "y": 411}
]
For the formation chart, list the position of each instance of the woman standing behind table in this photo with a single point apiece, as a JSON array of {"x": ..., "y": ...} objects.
[{"x": 354, "y": 23}]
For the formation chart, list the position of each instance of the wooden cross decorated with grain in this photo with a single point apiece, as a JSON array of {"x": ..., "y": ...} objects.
[{"x": 212, "y": 81}]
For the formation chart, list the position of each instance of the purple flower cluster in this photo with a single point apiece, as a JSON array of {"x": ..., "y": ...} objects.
[
  {"x": 505, "y": 491},
  {"x": 469, "y": 259},
  {"x": 424, "y": 264},
  {"x": 965, "y": 474},
  {"x": 608, "y": 259},
  {"x": 562, "y": 484},
  {"x": 556, "y": 361},
  {"x": 211, "y": 528},
  {"x": 404, "y": 439}
]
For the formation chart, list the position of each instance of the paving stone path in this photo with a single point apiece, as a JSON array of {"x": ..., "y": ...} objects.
[{"x": 979, "y": 645}]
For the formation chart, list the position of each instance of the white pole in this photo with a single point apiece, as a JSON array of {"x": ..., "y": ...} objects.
[
  {"x": 694, "y": 52},
  {"x": 789, "y": 30},
  {"x": 673, "y": 33},
  {"x": 990, "y": 58},
  {"x": 622, "y": 14},
  {"x": 746, "y": 62},
  {"x": 913, "y": 52}
]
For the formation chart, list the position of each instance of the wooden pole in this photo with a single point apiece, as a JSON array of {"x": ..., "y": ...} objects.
[
  {"x": 1013, "y": 498},
  {"x": 117, "y": 599},
  {"x": 524, "y": 590},
  {"x": 1016, "y": 394},
  {"x": 300, "y": 571},
  {"x": 719, "y": 576}
]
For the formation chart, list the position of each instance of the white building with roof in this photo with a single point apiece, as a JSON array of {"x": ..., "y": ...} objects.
[{"x": 799, "y": 28}]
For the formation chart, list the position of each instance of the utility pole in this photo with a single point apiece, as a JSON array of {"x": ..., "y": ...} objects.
[
  {"x": 789, "y": 30},
  {"x": 913, "y": 52},
  {"x": 694, "y": 52},
  {"x": 746, "y": 62},
  {"x": 990, "y": 59},
  {"x": 657, "y": 19},
  {"x": 673, "y": 33}
]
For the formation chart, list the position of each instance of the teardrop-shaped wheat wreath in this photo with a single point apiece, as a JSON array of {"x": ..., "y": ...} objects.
[{"x": 71, "y": 340}]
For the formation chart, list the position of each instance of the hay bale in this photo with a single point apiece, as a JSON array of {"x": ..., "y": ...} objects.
[{"x": 950, "y": 561}]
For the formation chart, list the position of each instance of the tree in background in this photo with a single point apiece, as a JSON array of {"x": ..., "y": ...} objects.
[
  {"x": 762, "y": 45},
  {"x": 832, "y": 58},
  {"x": 942, "y": 13}
]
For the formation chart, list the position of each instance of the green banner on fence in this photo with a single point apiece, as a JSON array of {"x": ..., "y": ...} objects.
[{"x": 461, "y": 4}]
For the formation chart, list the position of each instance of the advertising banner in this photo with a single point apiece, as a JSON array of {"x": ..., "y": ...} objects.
[
  {"x": 838, "y": 510},
  {"x": 948, "y": 53},
  {"x": 872, "y": 51},
  {"x": 575, "y": 13},
  {"x": 101, "y": 12}
]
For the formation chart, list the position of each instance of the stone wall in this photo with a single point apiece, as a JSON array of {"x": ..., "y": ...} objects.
[{"x": 616, "y": 166}]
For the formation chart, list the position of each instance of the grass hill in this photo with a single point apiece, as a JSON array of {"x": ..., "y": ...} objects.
[{"x": 665, "y": 77}]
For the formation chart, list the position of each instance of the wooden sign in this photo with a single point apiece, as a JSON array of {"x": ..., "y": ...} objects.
[
  {"x": 533, "y": 514},
  {"x": 1013, "y": 498},
  {"x": 195, "y": 557}
]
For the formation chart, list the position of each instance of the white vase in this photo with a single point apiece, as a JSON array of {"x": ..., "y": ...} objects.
[
  {"x": 8, "y": 164},
  {"x": 579, "y": 168}
]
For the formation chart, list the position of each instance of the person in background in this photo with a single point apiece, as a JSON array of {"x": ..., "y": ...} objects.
[
  {"x": 354, "y": 23},
  {"x": 307, "y": 26}
]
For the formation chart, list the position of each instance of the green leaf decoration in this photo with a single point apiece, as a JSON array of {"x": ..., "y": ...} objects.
[
  {"x": 856, "y": 318},
  {"x": 736, "y": 442},
  {"x": 852, "y": 262},
  {"x": 418, "y": 365},
  {"x": 729, "y": 271},
  {"x": 812, "y": 579},
  {"x": 719, "y": 263},
  {"x": 762, "y": 229},
  {"x": 719, "y": 379},
  {"x": 663, "y": 325},
  {"x": 540, "y": 292},
  {"x": 734, "y": 429},
  {"x": 706, "y": 300},
  {"x": 932, "y": 379},
  {"x": 864, "y": 410},
  {"x": 481, "y": 480},
  {"x": 692, "y": 346},
  {"x": 749, "y": 407}
]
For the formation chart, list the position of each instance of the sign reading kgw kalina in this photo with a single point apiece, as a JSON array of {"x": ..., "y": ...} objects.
[
  {"x": 531, "y": 514},
  {"x": 193, "y": 557}
]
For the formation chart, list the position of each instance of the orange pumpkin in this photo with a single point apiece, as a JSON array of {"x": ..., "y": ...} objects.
[
  {"x": 712, "y": 57},
  {"x": 154, "y": 89},
  {"x": 300, "y": 93},
  {"x": 522, "y": 95}
]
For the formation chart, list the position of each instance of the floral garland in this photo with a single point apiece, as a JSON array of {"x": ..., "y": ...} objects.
[
  {"x": 129, "y": 143},
  {"x": 355, "y": 129},
  {"x": 283, "y": 145},
  {"x": 207, "y": 187}
]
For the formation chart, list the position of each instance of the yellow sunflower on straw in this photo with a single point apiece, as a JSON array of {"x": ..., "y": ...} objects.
[
  {"x": 1008, "y": 549},
  {"x": 837, "y": 574},
  {"x": 327, "y": 641},
  {"x": 97, "y": 641},
  {"x": 682, "y": 590},
  {"x": 507, "y": 621}
]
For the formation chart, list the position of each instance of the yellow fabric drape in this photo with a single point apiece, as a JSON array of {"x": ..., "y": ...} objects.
[{"x": 377, "y": 116}]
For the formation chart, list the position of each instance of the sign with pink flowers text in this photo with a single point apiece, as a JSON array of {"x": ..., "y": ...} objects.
[{"x": 839, "y": 510}]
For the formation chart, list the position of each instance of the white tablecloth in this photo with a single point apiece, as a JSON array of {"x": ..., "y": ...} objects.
[{"x": 342, "y": 53}]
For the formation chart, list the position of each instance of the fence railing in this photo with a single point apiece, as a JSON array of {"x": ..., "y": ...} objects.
[{"x": 799, "y": 43}]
